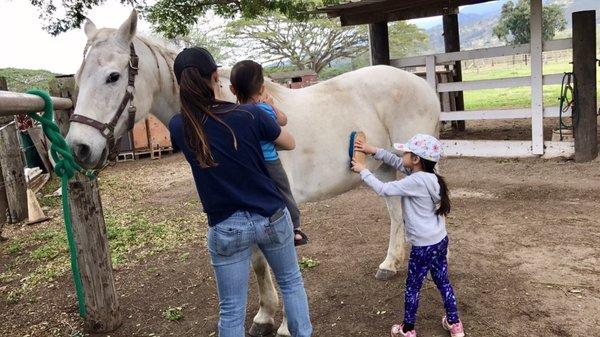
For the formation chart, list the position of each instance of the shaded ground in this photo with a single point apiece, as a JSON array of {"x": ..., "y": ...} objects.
[{"x": 524, "y": 257}]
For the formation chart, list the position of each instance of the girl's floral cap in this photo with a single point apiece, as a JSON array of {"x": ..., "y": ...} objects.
[{"x": 424, "y": 146}]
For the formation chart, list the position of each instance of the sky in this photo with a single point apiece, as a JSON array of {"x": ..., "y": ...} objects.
[{"x": 30, "y": 47}]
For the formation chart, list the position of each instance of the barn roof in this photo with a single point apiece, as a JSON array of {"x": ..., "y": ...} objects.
[{"x": 356, "y": 12}]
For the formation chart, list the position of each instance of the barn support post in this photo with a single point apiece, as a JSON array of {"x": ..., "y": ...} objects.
[
  {"x": 93, "y": 256},
  {"x": 64, "y": 86},
  {"x": 452, "y": 44},
  {"x": 379, "y": 43},
  {"x": 537, "y": 87},
  {"x": 11, "y": 161},
  {"x": 3, "y": 198},
  {"x": 584, "y": 68}
]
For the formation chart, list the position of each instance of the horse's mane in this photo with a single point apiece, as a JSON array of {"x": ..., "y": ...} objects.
[{"x": 156, "y": 46}]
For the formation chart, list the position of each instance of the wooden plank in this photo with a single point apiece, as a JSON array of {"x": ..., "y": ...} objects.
[
  {"x": 510, "y": 82},
  {"x": 360, "y": 18},
  {"x": 65, "y": 87},
  {"x": 486, "y": 148},
  {"x": 444, "y": 58},
  {"x": 430, "y": 71},
  {"x": 159, "y": 134},
  {"x": 13, "y": 103},
  {"x": 497, "y": 114},
  {"x": 379, "y": 43},
  {"x": 504, "y": 149},
  {"x": 39, "y": 141},
  {"x": 444, "y": 96},
  {"x": 140, "y": 135},
  {"x": 537, "y": 87},
  {"x": 11, "y": 161},
  {"x": 93, "y": 259},
  {"x": 3, "y": 198},
  {"x": 485, "y": 114},
  {"x": 584, "y": 68}
]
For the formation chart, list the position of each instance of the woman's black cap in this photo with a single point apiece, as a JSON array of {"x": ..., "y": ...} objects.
[{"x": 195, "y": 57}]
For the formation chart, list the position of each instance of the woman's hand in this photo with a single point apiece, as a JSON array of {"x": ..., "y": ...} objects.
[
  {"x": 363, "y": 146},
  {"x": 358, "y": 167}
]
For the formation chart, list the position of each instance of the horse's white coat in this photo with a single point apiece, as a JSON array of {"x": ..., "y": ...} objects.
[{"x": 388, "y": 104}]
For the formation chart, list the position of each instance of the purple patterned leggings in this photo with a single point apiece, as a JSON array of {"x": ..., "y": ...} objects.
[{"x": 423, "y": 259}]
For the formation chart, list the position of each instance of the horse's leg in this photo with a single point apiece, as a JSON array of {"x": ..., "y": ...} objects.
[
  {"x": 264, "y": 321},
  {"x": 397, "y": 247},
  {"x": 283, "y": 328}
]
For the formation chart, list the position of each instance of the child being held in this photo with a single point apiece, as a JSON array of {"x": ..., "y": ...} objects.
[{"x": 247, "y": 83}]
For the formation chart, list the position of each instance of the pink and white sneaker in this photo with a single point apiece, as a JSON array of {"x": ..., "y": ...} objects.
[
  {"x": 397, "y": 331},
  {"x": 456, "y": 329}
]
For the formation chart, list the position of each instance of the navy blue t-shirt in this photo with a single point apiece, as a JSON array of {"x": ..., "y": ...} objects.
[{"x": 240, "y": 181}]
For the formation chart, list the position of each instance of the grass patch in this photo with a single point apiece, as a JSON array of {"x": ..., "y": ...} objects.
[
  {"x": 173, "y": 314},
  {"x": 519, "y": 97},
  {"x": 308, "y": 263},
  {"x": 14, "y": 247}
]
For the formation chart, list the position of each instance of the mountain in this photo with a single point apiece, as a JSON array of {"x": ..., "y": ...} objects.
[
  {"x": 21, "y": 80},
  {"x": 476, "y": 23}
]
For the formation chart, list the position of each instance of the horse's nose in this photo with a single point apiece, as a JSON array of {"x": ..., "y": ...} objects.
[{"x": 82, "y": 152}]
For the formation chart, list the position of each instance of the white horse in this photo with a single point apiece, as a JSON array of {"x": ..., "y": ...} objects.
[{"x": 388, "y": 104}]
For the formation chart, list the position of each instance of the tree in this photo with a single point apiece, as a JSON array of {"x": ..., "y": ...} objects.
[
  {"x": 405, "y": 39},
  {"x": 312, "y": 44},
  {"x": 513, "y": 26},
  {"x": 208, "y": 35},
  {"x": 174, "y": 17}
]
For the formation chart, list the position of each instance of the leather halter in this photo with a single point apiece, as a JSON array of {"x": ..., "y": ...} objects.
[{"x": 108, "y": 129}]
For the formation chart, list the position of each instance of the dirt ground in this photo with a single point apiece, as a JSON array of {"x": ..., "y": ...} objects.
[{"x": 524, "y": 258}]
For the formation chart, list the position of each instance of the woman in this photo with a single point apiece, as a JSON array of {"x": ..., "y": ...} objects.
[{"x": 221, "y": 142}]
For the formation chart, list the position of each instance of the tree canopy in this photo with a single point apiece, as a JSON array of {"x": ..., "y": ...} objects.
[
  {"x": 174, "y": 17},
  {"x": 513, "y": 26}
]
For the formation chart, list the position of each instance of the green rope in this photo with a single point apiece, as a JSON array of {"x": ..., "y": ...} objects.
[{"x": 65, "y": 168}]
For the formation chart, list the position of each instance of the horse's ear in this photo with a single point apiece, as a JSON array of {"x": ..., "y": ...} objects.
[
  {"x": 128, "y": 28},
  {"x": 89, "y": 28}
]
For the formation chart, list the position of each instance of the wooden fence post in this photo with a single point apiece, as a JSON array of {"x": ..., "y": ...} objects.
[
  {"x": 12, "y": 165},
  {"x": 584, "y": 68},
  {"x": 3, "y": 199},
  {"x": 93, "y": 256},
  {"x": 64, "y": 86}
]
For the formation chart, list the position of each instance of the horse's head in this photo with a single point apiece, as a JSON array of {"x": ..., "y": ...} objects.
[{"x": 105, "y": 100}]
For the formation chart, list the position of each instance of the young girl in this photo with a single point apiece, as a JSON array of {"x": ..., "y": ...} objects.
[
  {"x": 247, "y": 83},
  {"x": 425, "y": 203}
]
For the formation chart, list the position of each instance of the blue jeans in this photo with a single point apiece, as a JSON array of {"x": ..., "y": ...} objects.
[{"x": 230, "y": 245}]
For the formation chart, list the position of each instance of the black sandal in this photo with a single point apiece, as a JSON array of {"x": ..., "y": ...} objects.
[{"x": 300, "y": 242}]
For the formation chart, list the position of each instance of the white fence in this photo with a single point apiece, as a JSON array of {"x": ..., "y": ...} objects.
[{"x": 537, "y": 112}]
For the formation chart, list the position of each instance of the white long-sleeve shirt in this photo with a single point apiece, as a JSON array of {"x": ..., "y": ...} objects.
[{"x": 420, "y": 194}]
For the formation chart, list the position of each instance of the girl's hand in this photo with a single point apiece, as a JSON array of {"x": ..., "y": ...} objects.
[
  {"x": 358, "y": 167},
  {"x": 363, "y": 146}
]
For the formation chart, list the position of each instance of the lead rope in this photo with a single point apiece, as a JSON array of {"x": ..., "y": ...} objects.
[{"x": 65, "y": 168}]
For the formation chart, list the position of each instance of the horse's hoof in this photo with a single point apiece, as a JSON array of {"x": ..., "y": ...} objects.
[
  {"x": 384, "y": 275},
  {"x": 261, "y": 330}
]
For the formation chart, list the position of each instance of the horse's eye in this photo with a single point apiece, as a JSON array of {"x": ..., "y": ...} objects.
[{"x": 113, "y": 77}]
